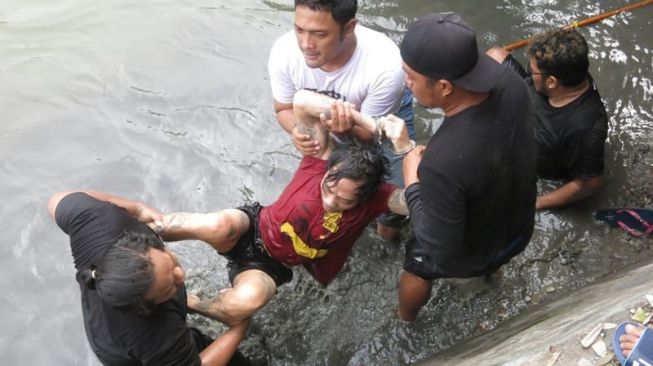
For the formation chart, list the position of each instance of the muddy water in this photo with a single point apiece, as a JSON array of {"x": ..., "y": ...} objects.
[{"x": 168, "y": 102}]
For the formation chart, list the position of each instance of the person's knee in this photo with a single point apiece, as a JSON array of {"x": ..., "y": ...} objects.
[
  {"x": 251, "y": 297},
  {"x": 252, "y": 290}
]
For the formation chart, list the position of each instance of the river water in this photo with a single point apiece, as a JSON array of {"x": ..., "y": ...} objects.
[{"x": 169, "y": 102}]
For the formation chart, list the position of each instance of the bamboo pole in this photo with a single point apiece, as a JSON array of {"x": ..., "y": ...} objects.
[{"x": 586, "y": 21}]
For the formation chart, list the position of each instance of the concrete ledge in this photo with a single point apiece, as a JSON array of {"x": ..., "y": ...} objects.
[{"x": 525, "y": 338}]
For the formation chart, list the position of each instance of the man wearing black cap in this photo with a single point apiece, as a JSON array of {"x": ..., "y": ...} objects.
[{"x": 471, "y": 191}]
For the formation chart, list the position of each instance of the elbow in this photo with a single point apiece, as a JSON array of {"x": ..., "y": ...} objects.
[
  {"x": 498, "y": 54},
  {"x": 302, "y": 99},
  {"x": 592, "y": 185},
  {"x": 596, "y": 184}
]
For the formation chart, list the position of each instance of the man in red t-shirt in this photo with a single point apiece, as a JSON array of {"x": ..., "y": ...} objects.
[{"x": 315, "y": 222}]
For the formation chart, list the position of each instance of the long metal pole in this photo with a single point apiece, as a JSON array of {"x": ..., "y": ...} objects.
[{"x": 586, "y": 21}]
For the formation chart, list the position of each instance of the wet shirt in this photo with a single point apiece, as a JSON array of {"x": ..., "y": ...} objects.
[
  {"x": 297, "y": 230},
  {"x": 570, "y": 139},
  {"x": 477, "y": 189},
  {"x": 116, "y": 336}
]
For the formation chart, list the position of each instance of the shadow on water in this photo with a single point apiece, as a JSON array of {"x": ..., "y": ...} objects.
[{"x": 169, "y": 103}]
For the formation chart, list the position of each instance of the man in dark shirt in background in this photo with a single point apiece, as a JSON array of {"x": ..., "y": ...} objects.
[
  {"x": 471, "y": 191},
  {"x": 571, "y": 124}
]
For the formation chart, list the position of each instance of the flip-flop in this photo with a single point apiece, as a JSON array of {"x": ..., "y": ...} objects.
[
  {"x": 636, "y": 221},
  {"x": 642, "y": 353}
]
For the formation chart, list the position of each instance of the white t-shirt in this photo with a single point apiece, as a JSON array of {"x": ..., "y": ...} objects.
[{"x": 372, "y": 79}]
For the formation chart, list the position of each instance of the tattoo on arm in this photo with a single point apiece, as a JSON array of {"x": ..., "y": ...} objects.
[
  {"x": 209, "y": 308},
  {"x": 182, "y": 226},
  {"x": 397, "y": 202},
  {"x": 174, "y": 221}
]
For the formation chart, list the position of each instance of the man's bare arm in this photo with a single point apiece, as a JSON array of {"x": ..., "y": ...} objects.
[
  {"x": 397, "y": 202},
  {"x": 573, "y": 191},
  {"x": 285, "y": 115},
  {"x": 223, "y": 348}
]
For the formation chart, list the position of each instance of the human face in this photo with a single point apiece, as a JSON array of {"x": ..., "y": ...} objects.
[
  {"x": 339, "y": 195},
  {"x": 422, "y": 87},
  {"x": 321, "y": 39},
  {"x": 168, "y": 275}
]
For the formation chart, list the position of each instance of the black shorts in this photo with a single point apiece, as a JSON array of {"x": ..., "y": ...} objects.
[
  {"x": 249, "y": 253},
  {"x": 421, "y": 263}
]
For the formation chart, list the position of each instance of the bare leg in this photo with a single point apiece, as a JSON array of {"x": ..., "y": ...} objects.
[
  {"x": 414, "y": 292},
  {"x": 388, "y": 233},
  {"x": 252, "y": 290},
  {"x": 219, "y": 229}
]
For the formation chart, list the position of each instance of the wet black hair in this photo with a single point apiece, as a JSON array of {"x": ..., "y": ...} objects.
[
  {"x": 342, "y": 11},
  {"x": 359, "y": 162},
  {"x": 562, "y": 53},
  {"x": 124, "y": 274}
]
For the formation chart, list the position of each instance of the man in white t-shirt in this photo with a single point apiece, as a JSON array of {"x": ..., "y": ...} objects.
[{"x": 330, "y": 54}]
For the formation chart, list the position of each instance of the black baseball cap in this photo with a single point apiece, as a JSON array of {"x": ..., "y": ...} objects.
[{"x": 443, "y": 46}]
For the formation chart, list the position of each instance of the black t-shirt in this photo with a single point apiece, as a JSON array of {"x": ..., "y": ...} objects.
[
  {"x": 116, "y": 336},
  {"x": 570, "y": 139},
  {"x": 477, "y": 187}
]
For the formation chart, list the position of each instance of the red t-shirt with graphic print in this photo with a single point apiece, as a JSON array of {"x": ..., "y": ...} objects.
[{"x": 296, "y": 230}]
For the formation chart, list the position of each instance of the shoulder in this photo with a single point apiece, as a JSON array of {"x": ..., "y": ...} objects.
[
  {"x": 378, "y": 203},
  {"x": 585, "y": 113},
  {"x": 65, "y": 206},
  {"x": 386, "y": 190},
  {"x": 284, "y": 47},
  {"x": 377, "y": 47},
  {"x": 312, "y": 163},
  {"x": 593, "y": 99},
  {"x": 448, "y": 156},
  {"x": 286, "y": 67},
  {"x": 512, "y": 86},
  {"x": 374, "y": 39},
  {"x": 285, "y": 39}
]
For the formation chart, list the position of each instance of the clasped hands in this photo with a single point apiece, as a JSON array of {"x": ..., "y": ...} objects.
[{"x": 342, "y": 117}]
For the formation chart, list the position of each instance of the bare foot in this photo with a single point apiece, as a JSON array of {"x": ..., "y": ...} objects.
[{"x": 628, "y": 340}]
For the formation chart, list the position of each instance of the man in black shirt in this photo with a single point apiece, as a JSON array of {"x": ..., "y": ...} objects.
[
  {"x": 133, "y": 293},
  {"x": 471, "y": 191},
  {"x": 571, "y": 124}
]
